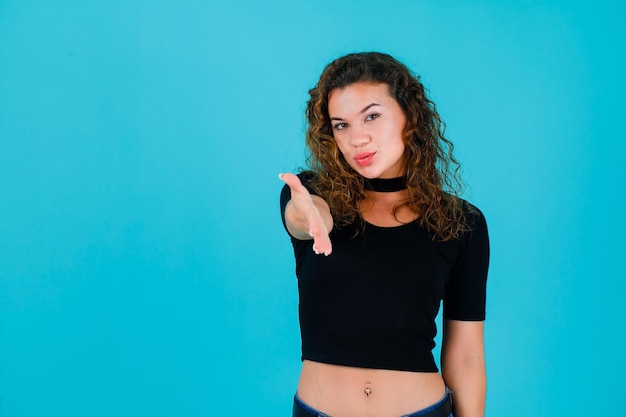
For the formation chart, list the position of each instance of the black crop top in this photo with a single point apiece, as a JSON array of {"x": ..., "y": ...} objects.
[{"x": 373, "y": 302}]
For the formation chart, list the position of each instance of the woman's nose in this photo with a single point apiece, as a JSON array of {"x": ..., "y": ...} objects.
[{"x": 359, "y": 136}]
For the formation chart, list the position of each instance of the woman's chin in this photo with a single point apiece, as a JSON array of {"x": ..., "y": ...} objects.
[{"x": 367, "y": 173}]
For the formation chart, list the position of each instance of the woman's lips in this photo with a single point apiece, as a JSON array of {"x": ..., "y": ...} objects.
[{"x": 364, "y": 158}]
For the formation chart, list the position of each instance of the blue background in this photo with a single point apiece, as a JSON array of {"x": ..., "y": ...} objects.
[{"x": 143, "y": 267}]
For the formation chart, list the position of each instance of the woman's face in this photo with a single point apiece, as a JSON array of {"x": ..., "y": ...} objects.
[{"x": 368, "y": 125}]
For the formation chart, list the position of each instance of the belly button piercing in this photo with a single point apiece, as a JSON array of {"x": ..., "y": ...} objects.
[{"x": 368, "y": 390}]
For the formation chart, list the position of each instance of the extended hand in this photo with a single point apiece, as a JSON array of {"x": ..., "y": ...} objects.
[{"x": 308, "y": 216}]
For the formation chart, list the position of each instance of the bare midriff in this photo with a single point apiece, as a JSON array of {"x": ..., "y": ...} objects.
[{"x": 343, "y": 391}]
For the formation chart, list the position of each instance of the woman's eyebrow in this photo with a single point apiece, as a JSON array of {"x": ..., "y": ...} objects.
[{"x": 366, "y": 108}]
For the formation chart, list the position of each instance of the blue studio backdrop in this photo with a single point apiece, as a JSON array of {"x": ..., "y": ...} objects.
[{"x": 144, "y": 270}]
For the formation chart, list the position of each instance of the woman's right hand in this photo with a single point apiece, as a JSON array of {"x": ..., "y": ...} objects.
[{"x": 307, "y": 216}]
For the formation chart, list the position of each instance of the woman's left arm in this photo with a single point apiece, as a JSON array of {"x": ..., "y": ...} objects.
[{"x": 463, "y": 366}]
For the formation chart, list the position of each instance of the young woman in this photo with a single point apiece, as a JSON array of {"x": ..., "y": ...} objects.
[{"x": 380, "y": 238}]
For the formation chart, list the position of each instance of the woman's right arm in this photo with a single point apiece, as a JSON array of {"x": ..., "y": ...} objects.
[{"x": 307, "y": 216}]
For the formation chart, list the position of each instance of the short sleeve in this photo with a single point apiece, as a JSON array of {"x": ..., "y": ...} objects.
[{"x": 466, "y": 289}]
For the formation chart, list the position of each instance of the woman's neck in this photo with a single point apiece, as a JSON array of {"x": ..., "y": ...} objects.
[{"x": 385, "y": 185}]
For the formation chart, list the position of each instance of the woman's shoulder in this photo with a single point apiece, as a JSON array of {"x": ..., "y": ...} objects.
[
  {"x": 470, "y": 209},
  {"x": 307, "y": 175},
  {"x": 474, "y": 218},
  {"x": 308, "y": 179}
]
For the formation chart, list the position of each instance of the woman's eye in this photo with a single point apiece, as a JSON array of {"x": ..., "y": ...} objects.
[
  {"x": 372, "y": 116},
  {"x": 340, "y": 126}
]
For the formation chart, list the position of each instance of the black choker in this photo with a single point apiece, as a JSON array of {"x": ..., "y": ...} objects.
[{"x": 385, "y": 185}]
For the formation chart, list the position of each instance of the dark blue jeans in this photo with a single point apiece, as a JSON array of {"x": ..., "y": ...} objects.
[{"x": 301, "y": 409}]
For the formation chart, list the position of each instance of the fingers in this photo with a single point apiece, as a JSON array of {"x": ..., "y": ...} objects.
[
  {"x": 292, "y": 181},
  {"x": 321, "y": 239},
  {"x": 324, "y": 247}
]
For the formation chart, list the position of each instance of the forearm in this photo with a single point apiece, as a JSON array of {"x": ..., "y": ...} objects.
[
  {"x": 299, "y": 219},
  {"x": 467, "y": 380},
  {"x": 297, "y": 222},
  {"x": 463, "y": 366}
]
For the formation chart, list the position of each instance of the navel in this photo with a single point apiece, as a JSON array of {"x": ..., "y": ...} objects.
[{"x": 368, "y": 389}]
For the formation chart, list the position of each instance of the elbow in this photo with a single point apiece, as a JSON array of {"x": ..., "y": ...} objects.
[{"x": 453, "y": 368}]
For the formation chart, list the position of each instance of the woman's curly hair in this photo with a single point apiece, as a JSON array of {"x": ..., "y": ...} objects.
[{"x": 432, "y": 172}]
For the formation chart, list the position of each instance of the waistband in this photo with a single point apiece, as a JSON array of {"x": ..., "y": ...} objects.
[{"x": 442, "y": 408}]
